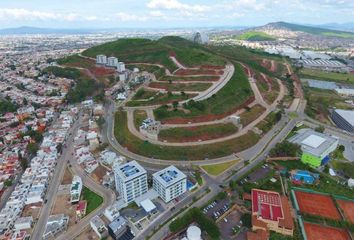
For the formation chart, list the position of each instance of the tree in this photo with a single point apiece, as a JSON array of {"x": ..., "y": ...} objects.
[
  {"x": 100, "y": 121},
  {"x": 32, "y": 148},
  {"x": 285, "y": 149},
  {"x": 246, "y": 220},
  {"x": 59, "y": 147},
  {"x": 25, "y": 102},
  {"x": 175, "y": 105},
  {"x": 320, "y": 129}
]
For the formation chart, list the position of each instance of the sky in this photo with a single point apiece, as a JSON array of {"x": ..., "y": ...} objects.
[{"x": 170, "y": 13}]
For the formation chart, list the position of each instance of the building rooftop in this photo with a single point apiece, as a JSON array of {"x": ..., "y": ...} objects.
[
  {"x": 348, "y": 115},
  {"x": 169, "y": 176},
  {"x": 130, "y": 170},
  {"x": 118, "y": 224},
  {"x": 313, "y": 142}
]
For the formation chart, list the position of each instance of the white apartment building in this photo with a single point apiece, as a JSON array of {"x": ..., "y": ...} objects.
[
  {"x": 121, "y": 67},
  {"x": 112, "y": 62},
  {"x": 169, "y": 183},
  {"x": 75, "y": 190},
  {"x": 101, "y": 59},
  {"x": 131, "y": 180}
]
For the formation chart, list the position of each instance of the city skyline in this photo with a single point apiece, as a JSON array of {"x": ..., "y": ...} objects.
[{"x": 170, "y": 13}]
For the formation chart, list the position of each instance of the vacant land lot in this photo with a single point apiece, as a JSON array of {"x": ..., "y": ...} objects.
[
  {"x": 319, "y": 101},
  {"x": 331, "y": 76},
  {"x": 62, "y": 205},
  {"x": 181, "y": 86},
  {"x": 269, "y": 121},
  {"x": 144, "y": 94},
  {"x": 251, "y": 114},
  {"x": 309, "y": 203},
  {"x": 139, "y": 117},
  {"x": 190, "y": 79},
  {"x": 216, "y": 169},
  {"x": 136, "y": 145},
  {"x": 235, "y": 93},
  {"x": 192, "y": 134},
  {"x": 93, "y": 199},
  {"x": 316, "y": 232},
  {"x": 160, "y": 98}
]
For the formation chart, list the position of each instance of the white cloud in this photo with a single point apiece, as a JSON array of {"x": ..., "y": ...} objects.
[
  {"x": 177, "y": 5},
  {"x": 128, "y": 17},
  {"x": 29, "y": 15}
]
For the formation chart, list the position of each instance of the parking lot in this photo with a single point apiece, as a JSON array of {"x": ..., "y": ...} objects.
[
  {"x": 258, "y": 174},
  {"x": 232, "y": 227},
  {"x": 217, "y": 208}
]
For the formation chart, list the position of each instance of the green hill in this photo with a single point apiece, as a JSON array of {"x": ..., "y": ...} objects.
[
  {"x": 315, "y": 30},
  {"x": 157, "y": 51},
  {"x": 255, "y": 36}
]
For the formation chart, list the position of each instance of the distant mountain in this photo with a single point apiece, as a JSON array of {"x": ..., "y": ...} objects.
[
  {"x": 283, "y": 28},
  {"x": 34, "y": 30},
  {"x": 339, "y": 26}
]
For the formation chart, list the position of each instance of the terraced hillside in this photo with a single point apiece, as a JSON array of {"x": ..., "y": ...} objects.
[
  {"x": 194, "y": 92},
  {"x": 150, "y": 51}
]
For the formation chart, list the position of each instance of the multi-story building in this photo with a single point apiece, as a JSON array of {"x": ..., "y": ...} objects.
[
  {"x": 344, "y": 119},
  {"x": 169, "y": 183},
  {"x": 121, "y": 67},
  {"x": 131, "y": 180},
  {"x": 112, "y": 62},
  {"x": 75, "y": 190},
  {"x": 101, "y": 59},
  {"x": 315, "y": 146}
]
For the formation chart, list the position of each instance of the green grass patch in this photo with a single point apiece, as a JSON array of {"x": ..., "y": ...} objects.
[
  {"x": 159, "y": 98},
  {"x": 205, "y": 132},
  {"x": 145, "y": 148},
  {"x": 190, "y": 79},
  {"x": 85, "y": 86},
  {"x": 266, "y": 124},
  {"x": 139, "y": 117},
  {"x": 319, "y": 101},
  {"x": 77, "y": 61},
  {"x": 144, "y": 94},
  {"x": 93, "y": 199},
  {"x": 347, "y": 168},
  {"x": 326, "y": 76},
  {"x": 174, "y": 86},
  {"x": 156, "y": 70},
  {"x": 157, "y": 51},
  {"x": 317, "y": 30},
  {"x": 255, "y": 36},
  {"x": 251, "y": 114},
  {"x": 233, "y": 94},
  {"x": 217, "y": 169}
]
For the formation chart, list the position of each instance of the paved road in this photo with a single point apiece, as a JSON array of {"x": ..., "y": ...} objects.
[
  {"x": 40, "y": 226},
  {"x": 108, "y": 195}
]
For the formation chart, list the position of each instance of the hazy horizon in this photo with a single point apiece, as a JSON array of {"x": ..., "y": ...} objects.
[{"x": 79, "y": 14}]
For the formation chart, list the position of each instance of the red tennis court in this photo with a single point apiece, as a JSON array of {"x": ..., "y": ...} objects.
[
  {"x": 317, "y": 204},
  {"x": 347, "y": 208},
  {"x": 319, "y": 232}
]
